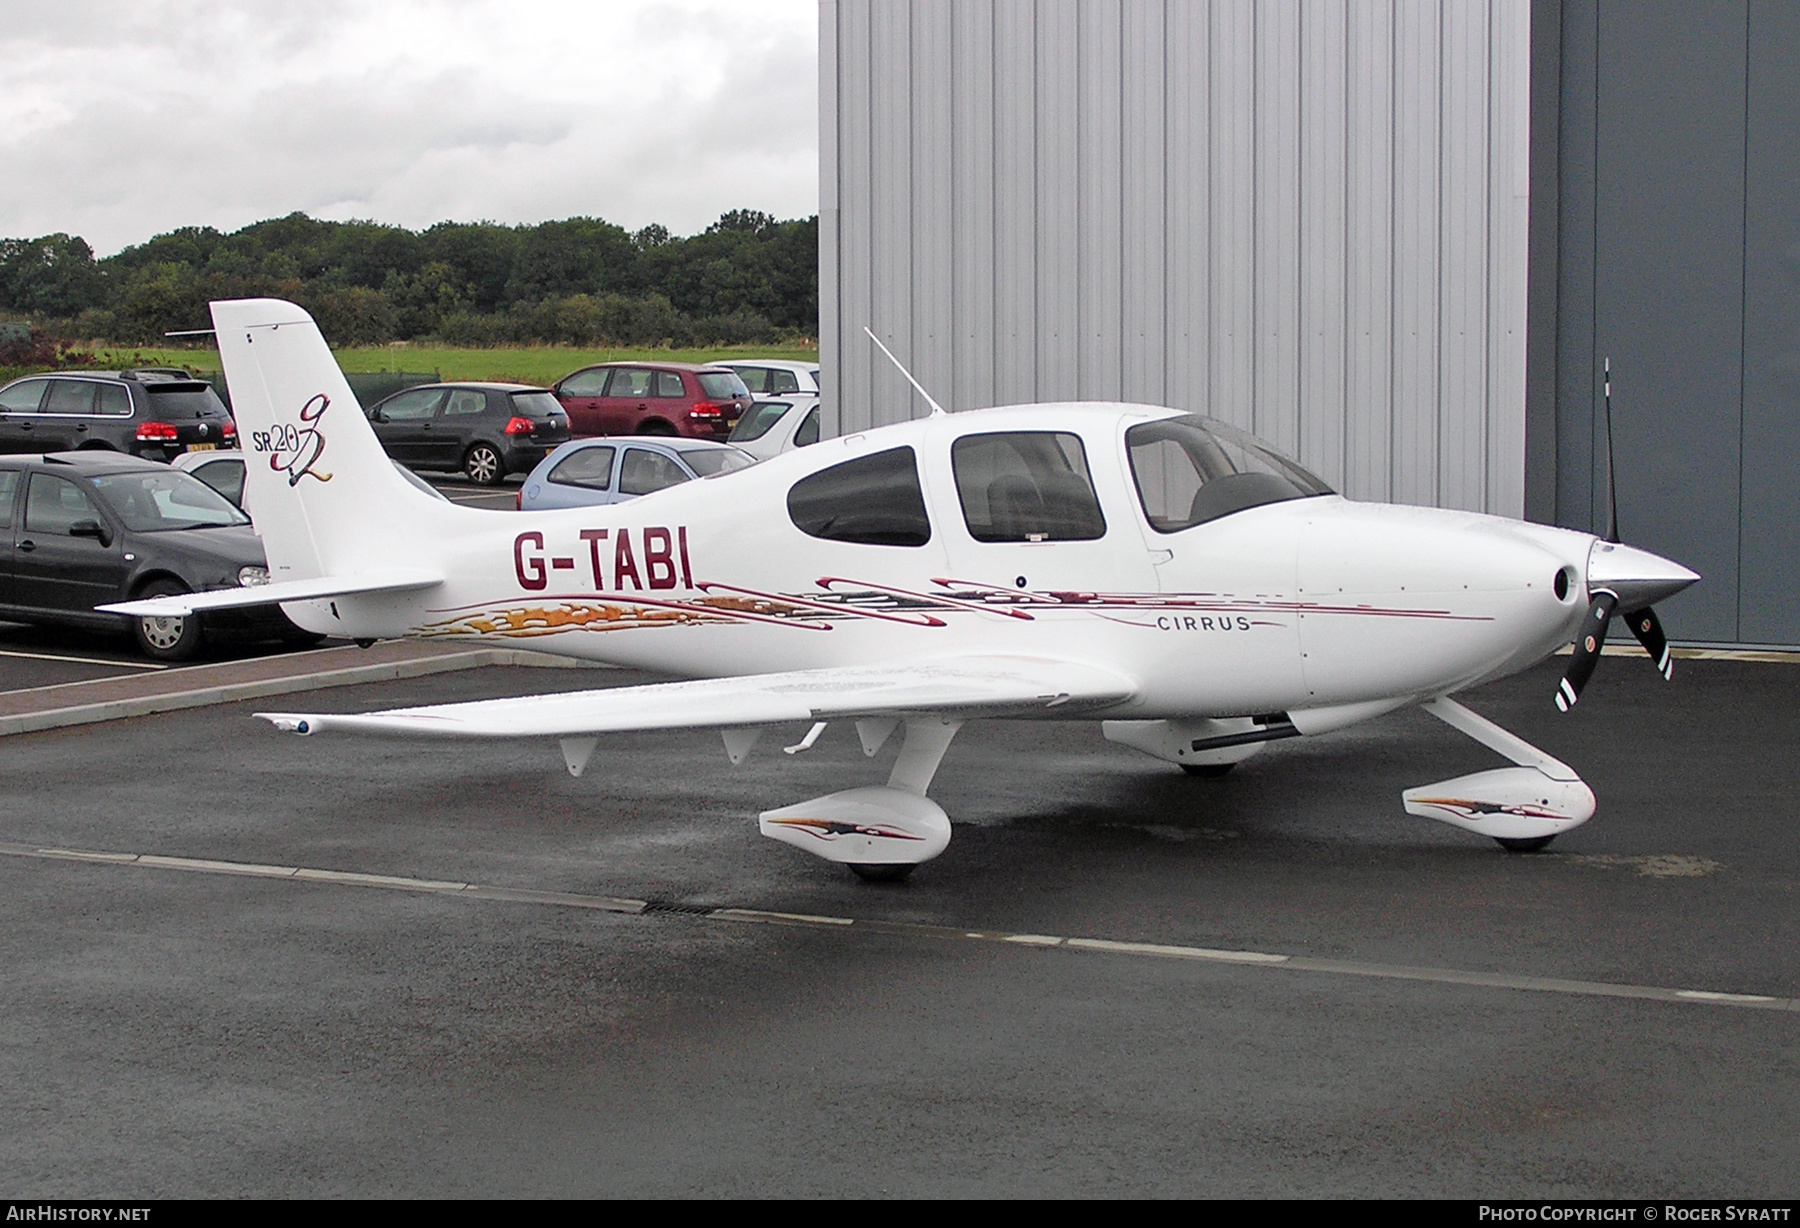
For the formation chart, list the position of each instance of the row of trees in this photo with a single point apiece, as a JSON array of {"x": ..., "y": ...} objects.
[{"x": 748, "y": 277}]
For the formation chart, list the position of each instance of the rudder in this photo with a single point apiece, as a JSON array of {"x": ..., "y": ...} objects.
[{"x": 323, "y": 493}]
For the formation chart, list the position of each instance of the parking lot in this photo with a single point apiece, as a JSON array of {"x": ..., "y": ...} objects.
[
  {"x": 392, "y": 968},
  {"x": 44, "y": 656}
]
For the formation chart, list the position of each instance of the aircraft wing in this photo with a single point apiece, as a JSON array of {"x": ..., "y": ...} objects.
[
  {"x": 990, "y": 686},
  {"x": 180, "y": 605}
]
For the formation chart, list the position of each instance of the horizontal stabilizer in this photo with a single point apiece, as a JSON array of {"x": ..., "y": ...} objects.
[
  {"x": 180, "y": 605},
  {"x": 990, "y": 687}
]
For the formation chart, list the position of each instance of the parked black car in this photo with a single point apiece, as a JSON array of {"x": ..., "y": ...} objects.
[
  {"x": 155, "y": 412},
  {"x": 485, "y": 430},
  {"x": 80, "y": 529}
]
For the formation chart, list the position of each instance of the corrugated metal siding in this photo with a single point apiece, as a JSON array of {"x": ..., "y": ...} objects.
[{"x": 1308, "y": 219}]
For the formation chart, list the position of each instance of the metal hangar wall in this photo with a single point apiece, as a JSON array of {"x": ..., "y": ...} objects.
[
  {"x": 1668, "y": 132},
  {"x": 1309, "y": 220}
]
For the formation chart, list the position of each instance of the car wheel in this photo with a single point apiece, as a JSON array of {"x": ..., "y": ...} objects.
[
  {"x": 483, "y": 465},
  {"x": 656, "y": 428},
  {"x": 166, "y": 639}
]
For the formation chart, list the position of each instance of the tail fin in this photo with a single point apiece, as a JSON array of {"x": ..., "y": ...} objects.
[{"x": 326, "y": 498}]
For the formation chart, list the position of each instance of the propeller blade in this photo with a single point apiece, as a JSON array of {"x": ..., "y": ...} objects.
[
  {"x": 1648, "y": 629},
  {"x": 1587, "y": 649}
]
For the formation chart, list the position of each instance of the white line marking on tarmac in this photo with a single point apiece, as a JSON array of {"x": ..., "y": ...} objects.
[
  {"x": 1105, "y": 946},
  {"x": 48, "y": 656}
]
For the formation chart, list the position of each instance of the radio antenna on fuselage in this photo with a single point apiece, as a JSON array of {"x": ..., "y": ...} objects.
[{"x": 936, "y": 409}]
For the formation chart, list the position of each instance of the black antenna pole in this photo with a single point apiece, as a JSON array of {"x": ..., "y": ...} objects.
[{"x": 1612, "y": 485}]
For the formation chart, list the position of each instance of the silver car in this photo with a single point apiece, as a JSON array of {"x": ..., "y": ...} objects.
[
  {"x": 776, "y": 376},
  {"x": 614, "y": 468},
  {"x": 776, "y": 424}
]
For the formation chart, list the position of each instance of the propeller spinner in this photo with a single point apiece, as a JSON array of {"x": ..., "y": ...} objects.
[{"x": 1622, "y": 577}]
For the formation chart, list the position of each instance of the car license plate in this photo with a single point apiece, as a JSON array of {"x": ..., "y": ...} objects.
[{"x": 202, "y": 447}]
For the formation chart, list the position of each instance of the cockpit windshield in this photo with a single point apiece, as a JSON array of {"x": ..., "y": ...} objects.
[{"x": 1190, "y": 470}]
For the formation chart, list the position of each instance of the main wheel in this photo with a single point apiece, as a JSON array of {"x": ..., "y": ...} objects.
[
  {"x": 871, "y": 872},
  {"x": 1525, "y": 844},
  {"x": 483, "y": 465},
  {"x": 1211, "y": 771},
  {"x": 166, "y": 639}
]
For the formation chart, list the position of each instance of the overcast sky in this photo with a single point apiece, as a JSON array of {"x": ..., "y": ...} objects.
[{"x": 120, "y": 119}]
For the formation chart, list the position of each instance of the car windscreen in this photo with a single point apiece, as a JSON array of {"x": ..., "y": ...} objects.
[
  {"x": 722, "y": 385},
  {"x": 535, "y": 404},
  {"x": 184, "y": 401},
  {"x": 169, "y": 499},
  {"x": 1190, "y": 470},
  {"x": 710, "y": 461},
  {"x": 758, "y": 419}
]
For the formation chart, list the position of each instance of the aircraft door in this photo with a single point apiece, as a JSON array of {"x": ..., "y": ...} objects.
[
  {"x": 19, "y": 415},
  {"x": 405, "y": 422},
  {"x": 1031, "y": 513},
  {"x": 55, "y": 567},
  {"x": 1226, "y": 573},
  {"x": 9, "y": 494}
]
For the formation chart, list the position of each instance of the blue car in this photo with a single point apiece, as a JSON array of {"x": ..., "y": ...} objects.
[{"x": 614, "y": 468}]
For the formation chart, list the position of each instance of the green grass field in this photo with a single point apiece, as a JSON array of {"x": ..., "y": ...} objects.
[{"x": 537, "y": 364}]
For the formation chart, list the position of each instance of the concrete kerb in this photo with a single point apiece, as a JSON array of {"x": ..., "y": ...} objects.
[{"x": 204, "y": 696}]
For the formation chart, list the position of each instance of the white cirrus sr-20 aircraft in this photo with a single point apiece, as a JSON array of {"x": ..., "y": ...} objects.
[{"x": 1163, "y": 574}]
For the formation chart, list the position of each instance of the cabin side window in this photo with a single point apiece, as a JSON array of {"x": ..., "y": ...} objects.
[
  {"x": 1190, "y": 470},
  {"x": 873, "y": 500},
  {"x": 1026, "y": 486}
]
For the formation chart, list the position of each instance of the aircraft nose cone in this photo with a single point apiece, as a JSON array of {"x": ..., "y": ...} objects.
[{"x": 1637, "y": 576}]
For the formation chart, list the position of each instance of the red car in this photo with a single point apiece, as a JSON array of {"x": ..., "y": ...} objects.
[{"x": 663, "y": 398}]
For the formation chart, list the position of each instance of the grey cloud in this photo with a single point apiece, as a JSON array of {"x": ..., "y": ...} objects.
[{"x": 247, "y": 130}]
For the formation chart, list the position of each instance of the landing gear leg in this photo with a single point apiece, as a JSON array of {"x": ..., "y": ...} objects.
[
  {"x": 879, "y": 831},
  {"x": 1522, "y": 808}
]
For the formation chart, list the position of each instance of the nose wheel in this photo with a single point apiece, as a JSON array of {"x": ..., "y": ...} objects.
[
  {"x": 1531, "y": 844},
  {"x": 875, "y": 873}
]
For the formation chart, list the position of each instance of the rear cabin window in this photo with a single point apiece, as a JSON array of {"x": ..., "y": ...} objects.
[
  {"x": 1190, "y": 470},
  {"x": 709, "y": 462},
  {"x": 722, "y": 385},
  {"x": 668, "y": 384},
  {"x": 1026, "y": 486},
  {"x": 466, "y": 403},
  {"x": 535, "y": 404},
  {"x": 643, "y": 472},
  {"x": 872, "y": 500},
  {"x": 629, "y": 382},
  {"x": 226, "y": 477},
  {"x": 185, "y": 401},
  {"x": 758, "y": 419},
  {"x": 590, "y": 468},
  {"x": 70, "y": 396},
  {"x": 9, "y": 492},
  {"x": 54, "y": 505},
  {"x": 115, "y": 402},
  {"x": 808, "y": 434}
]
